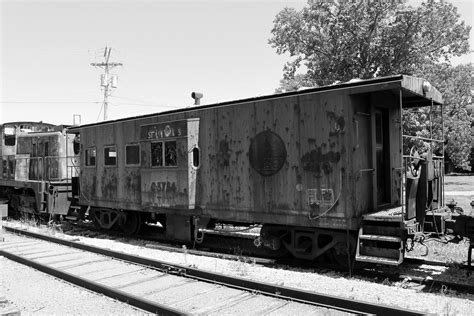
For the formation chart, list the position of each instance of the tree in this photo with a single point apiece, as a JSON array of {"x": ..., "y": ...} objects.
[
  {"x": 455, "y": 83},
  {"x": 295, "y": 83},
  {"x": 341, "y": 40}
]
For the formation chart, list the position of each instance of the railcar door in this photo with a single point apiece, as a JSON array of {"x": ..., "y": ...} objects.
[
  {"x": 363, "y": 166},
  {"x": 382, "y": 157}
]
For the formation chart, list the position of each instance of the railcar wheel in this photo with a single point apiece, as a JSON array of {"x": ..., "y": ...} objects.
[{"x": 131, "y": 224}]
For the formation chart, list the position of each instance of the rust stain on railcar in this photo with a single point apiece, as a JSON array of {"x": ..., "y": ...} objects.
[{"x": 315, "y": 161}]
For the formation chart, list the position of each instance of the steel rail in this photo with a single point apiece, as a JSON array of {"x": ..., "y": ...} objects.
[
  {"x": 128, "y": 298},
  {"x": 412, "y": 260},
  {"x": 328, "y": 301}
]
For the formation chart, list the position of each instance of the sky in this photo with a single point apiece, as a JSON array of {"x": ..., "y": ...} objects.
[{"x": 168, "y": 49}]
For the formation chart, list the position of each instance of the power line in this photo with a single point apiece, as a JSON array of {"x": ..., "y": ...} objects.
[{"x": 146, "y": 105}]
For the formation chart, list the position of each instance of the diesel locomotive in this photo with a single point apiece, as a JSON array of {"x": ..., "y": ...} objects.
[{"x": 324, "y": 170}]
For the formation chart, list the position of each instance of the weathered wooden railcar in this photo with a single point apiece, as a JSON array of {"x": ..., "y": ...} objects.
[
  {"x": 37, "y": 165},
  {"x": 308, "y": 165}
]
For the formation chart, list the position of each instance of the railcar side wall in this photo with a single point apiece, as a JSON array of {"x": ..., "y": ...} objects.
[{"x": 282, "y": 160}]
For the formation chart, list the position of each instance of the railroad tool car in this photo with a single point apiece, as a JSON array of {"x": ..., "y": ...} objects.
[
  {"x": 38, "y": 162},
  {"x": 323, "y": 170}
]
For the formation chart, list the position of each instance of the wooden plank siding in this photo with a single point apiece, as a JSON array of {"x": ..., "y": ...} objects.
[{"x": 324, "y": 179}]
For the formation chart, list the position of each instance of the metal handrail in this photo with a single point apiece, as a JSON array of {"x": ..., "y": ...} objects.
[{"x": 423, "y": 138}]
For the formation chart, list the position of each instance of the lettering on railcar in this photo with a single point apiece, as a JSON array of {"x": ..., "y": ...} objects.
[
  {"x": 164, "y": 187},
  {"x": 163, "y": 130}
]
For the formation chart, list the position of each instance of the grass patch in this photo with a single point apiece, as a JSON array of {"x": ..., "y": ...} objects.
[{"x": 459, "y": 183}]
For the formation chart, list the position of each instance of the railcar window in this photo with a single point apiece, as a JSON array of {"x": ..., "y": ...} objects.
[
  {"x": 170, "y": 154},
  {"x": 132, "y": 155},
  {"x": 90, "y": 156},
  {"x": 157, "y": 154},
  {"x": 196, "y": 155},
  {"x": 110, "y": 156},
  {"x": 163, "y": 154}
]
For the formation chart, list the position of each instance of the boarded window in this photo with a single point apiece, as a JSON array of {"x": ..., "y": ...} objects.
[
  {"x": 110, "y": 156},
  {"x": 132, "y": 155},
  {"x": 90, "y": 156}
]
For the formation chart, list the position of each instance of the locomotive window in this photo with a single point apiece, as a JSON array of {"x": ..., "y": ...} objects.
[
  {"x": 46, "y": 149},
  {"x": 163, "y": 154},
  {"x": 12, "y": 166},
  {"x": 9, "y": 136},
  {"x": 132, "y": 155},
  {"x": 77, "y": 144},
  {"x": 157, "y": 154},
  {"x": 90, "y": 156},
  {"x": 110, "y": 156},
  {"x": 5, "y": 166}
]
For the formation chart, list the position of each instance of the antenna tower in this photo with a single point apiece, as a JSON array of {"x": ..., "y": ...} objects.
[{"x": 108, "y": 82}]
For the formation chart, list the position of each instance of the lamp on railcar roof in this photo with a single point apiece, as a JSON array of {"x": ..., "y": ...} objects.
[{"x": 197, "y": 96}]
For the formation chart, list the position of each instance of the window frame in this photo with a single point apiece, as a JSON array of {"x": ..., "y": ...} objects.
[
  {"x": 86, "y": 160},
  {"x": 193, "y": 153},
  {"x": 106, "y": 165},
  {"x": 163, "y": 154},
  {"x": 139, "y": 155}
]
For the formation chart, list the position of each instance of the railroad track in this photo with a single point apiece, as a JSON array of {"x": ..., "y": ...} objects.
[
  {"x": 165, "y": 288},
  {"x": 420, "y": 261},
  {"x": 373, "y": 272}
]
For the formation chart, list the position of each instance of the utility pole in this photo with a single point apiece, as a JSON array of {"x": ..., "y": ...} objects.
[{"x": 107, "y": 82}]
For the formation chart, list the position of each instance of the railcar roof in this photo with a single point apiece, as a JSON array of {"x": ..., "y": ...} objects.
[
  {"x": 17, "y": 123},
  {"x": 411, "y": 88}
]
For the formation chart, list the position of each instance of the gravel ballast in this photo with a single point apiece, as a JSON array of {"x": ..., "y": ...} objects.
[
  {"x": 32, "y": 292},
  {"x": 327, "y": 283}
]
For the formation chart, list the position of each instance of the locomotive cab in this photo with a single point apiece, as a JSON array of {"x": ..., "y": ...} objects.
[{"x": 36, "y": 168}]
